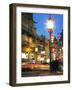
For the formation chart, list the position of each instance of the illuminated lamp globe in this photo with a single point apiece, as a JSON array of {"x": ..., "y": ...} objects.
[{"x": 50, "y": 24}]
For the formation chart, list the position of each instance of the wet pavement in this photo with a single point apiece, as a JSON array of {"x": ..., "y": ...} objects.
[{"x": 40, "y": 73}]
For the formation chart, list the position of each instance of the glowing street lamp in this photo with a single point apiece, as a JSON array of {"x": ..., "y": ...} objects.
[{"x": 50, "y": 26}]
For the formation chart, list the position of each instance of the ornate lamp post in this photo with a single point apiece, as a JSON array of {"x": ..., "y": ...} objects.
[{"x": 50, "y": 26}]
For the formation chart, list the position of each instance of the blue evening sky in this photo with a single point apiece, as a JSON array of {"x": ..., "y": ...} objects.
[{"x": 41, "y": 23}]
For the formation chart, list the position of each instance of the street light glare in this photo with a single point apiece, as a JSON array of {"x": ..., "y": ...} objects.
[{"x": 50, "y": 24}]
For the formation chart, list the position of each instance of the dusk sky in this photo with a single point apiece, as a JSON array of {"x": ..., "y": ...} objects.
[{"x": 41, "y": 23}]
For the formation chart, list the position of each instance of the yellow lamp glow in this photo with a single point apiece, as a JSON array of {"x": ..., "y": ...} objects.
[{"x": 50, "y": 24}]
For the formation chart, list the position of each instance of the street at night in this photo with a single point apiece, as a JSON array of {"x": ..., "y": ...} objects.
[{"x": 42, "y": 44}]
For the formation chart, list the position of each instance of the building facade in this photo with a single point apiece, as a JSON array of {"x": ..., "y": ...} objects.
[{"x": 35, "y": 48}]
